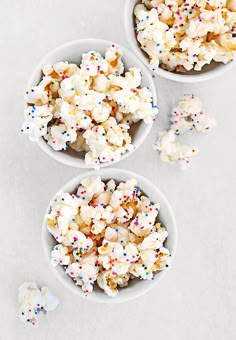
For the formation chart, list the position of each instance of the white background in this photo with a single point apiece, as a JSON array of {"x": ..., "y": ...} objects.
[{"x": 196, "y": 299}]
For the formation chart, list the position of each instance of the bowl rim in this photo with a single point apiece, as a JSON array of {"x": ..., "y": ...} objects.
[
  {"x": 182, "y": 78},
  {"x": 76, "y": 162},
  {"x": 108, "y": 173}
]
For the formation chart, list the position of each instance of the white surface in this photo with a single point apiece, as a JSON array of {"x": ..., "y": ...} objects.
[
  {"x": 72, "y": 52},
  {"x": 196, "y": 300},
  {"x": 136, "y": 287}
]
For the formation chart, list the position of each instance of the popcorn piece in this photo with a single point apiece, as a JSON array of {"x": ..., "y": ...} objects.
[
  {"x": 79, "y": 144},
  {"x": 63, "y": 211},
  {"x": 113, "y": 58},
  {"x": 59, "y": 136},
  {"x": 96, "y": 213},
  {"x": 34, "y": 300},
  {"x": 59, "y": 255},
  {"x": 84, "y": 272},
  {"x": 60, "y": 70},
  {"x": 172, "y": 152},
  {"x": 107, "y": 233},
  {"x": 107, "y": 142},
  {"x": 143, "y": 222},
  {"x": 37, "y": 120},
  {"x": 116, "y": 233},
  {"x": 189, "y": 115}
]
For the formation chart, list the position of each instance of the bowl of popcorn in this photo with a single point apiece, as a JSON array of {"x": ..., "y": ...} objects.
[
  {"x": 89, "y": 103},
  {"x": 185, "y": 41},
  {"x": 109, "y": 235}
]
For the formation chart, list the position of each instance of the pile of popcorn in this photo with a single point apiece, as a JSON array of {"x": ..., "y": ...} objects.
[
  {"x": 186, "y": 34},
  {"x": 188, "y": 115},
  {"x": 34, "y": 301},
  {"x": 107, "y": 233},
  {"x": 89, "y": 108}
]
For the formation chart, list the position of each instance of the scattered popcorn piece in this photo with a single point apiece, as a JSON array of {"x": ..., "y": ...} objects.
[
  {"x": 182, "y": 36},
  {"x": 174, "y": 152},
  {"x": 186, "y": 116},
  {"x": 89, "y": 108},
  {"x": 189, "y": 114},
  {"x": 34, "y": 300},
  {"x": 106, "y": 233}
]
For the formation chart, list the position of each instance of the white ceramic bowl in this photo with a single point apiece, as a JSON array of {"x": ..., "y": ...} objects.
[
  {"x": 209, "y": 71},
  {"x": 136, "y": 287},
  {"x": 72, "y": 52}
]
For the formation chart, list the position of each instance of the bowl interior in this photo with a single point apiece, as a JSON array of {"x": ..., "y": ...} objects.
[
  {"x": 136, "y": 287},
  {"x": 72, "y": 52},
  {"x": 207, "y": 72}
]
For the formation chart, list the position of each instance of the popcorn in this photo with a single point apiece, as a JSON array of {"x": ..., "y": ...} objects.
[
  {"x": 59, "y": 255},
  {"x": 84, "y": 272},
  {"x": 60, "y": 70},
  {"x": 143, "y": 222},
  {"x": 107, "y": 142},
  {"x": 34, "y": 300},
  {"x": 58, "y": 136},
  {"x": 37, "y": 120},
  {"x": 180, "y": 36},
  {"x": 186, "y": 116},
  {"x": 89, "y": 108},
  {"x": 106, "y": 233},
  {"x": 189, "y": 115},
  {"x": 113, "y": 57},
  {"x": 173, "y": 152},
  {"x": 108, "y": 283},
  {"x": 63, "y": 211}
]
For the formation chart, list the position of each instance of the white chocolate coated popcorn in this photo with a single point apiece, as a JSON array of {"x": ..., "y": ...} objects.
[
  {"x": 185, "y": 35},
  {"x": 34, "y": 301},
  {"x": 37, "y": 121},
  {"x": 89, "y": 108},
  {"x": 106, "y": 233},
  {"x": 189, "y": 114},
  {"x": 172, "y": 152},
  {"x": 59, "y": 255}
]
